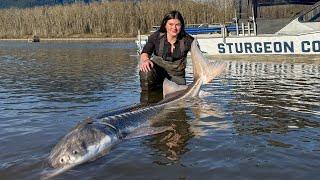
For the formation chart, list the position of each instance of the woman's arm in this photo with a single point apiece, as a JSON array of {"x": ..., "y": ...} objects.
[{"x": 145, "y": 63}]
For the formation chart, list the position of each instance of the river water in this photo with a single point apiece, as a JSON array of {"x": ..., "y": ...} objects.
[{"x": 259, "y": 120}]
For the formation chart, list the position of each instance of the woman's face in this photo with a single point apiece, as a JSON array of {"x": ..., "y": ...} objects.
[{"x": 173, "y": 27}]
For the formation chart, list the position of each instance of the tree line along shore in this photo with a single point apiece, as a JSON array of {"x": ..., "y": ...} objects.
[{"x": 116, "y": 19}]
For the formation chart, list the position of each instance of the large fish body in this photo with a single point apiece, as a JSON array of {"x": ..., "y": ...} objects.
[{"x": 94, "y": 137}]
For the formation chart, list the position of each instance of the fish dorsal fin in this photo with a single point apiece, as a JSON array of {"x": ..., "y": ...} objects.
[{"x": 170, "y": 87}]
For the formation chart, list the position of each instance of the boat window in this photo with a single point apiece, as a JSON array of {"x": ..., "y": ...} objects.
[{"x": 311, "y": 16}]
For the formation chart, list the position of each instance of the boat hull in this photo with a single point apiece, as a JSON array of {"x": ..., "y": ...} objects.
[{"x": 308, "y": 43}]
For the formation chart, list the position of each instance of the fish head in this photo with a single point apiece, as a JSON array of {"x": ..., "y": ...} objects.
[
  {"x": 83, "y": 143},
  {"x": 70, "y": 150}
]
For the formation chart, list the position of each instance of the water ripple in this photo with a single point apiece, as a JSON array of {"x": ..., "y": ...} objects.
[{"x": 256, "y": 118}]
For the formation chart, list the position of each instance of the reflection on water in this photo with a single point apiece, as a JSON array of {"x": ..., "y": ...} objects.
[
  {"x": 172, "y": 144},
  {"x": 275, "y": 97},
  {"x": 56, "y": 73},
  {"x": 257, "y": 118},
  {"x": 204, "y": 111}
]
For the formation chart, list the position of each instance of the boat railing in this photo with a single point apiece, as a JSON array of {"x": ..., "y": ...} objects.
[
  {"x": 235, "y": 27},
  {"x": 246, "y": 29},
  {"x": 313, "y": 15}
]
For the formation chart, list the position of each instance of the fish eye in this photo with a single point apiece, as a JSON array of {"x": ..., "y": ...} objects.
[{"x": 75, "y": 152}]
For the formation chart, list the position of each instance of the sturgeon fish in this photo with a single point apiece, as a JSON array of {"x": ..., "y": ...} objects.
[{"x": 94, "y": 137}]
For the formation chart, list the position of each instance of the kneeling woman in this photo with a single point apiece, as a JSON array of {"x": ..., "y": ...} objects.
[{"x": 169, "y": 47}]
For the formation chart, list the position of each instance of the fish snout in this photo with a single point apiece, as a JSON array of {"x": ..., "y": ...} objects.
[
  {"x": 64, "y": 159},
  {"x": 60, "y": 161}
]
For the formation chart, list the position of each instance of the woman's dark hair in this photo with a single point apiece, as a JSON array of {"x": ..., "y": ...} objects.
[{"x": 173, "y": 15}]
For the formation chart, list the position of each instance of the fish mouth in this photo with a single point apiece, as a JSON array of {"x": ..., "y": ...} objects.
[
  {"x": 52, "y": 172},
  {"x": 57, "y": 170},
  {"x": 54, "y": 168}
]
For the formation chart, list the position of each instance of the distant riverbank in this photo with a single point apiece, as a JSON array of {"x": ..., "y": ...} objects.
[
  {"x": 109, "y": 19},
  {"x": 113, "y": 19}
]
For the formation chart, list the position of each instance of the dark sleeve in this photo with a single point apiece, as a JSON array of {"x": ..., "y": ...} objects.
[
  {"x": 150, "y": 45},
  {"x": 188, "y": 41}
]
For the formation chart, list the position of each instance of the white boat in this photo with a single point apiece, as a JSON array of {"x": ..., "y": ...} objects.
[{"x": 299, "y": 36}]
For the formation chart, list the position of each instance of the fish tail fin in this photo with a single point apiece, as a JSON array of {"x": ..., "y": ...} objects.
[
  {"x": 212, "y": 71},
  {"x": 202, "y": 68}
]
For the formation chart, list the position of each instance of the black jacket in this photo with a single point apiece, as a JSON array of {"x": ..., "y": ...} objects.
[{"x": 153, "y": 44}]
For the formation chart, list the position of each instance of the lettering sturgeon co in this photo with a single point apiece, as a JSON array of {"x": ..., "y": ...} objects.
[{"x": 269, "y": 47}]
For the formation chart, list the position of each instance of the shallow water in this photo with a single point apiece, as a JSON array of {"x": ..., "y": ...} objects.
[{"x": 259, "y": 120}]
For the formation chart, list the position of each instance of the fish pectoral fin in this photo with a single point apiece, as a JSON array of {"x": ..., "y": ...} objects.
[
  {"x": 170, "y": 87},
  {"x": 147, "y": 131}
]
